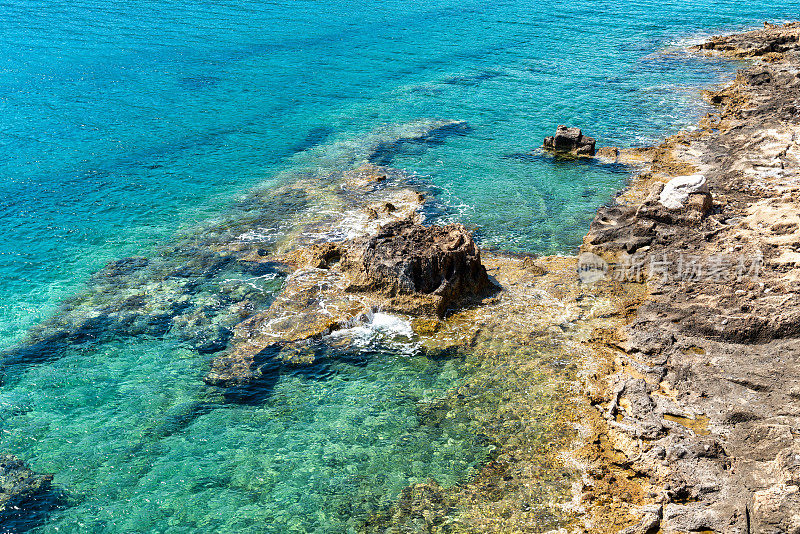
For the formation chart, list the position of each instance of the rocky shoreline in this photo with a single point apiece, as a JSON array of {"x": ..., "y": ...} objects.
[{"x": 696, "y": 395}]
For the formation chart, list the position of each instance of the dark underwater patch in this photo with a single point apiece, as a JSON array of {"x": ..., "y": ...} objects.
[
  {"x": 34, "y": 513},
  {"x": 195, "y": 83},
  {"x": 473, "y": 79},
  {"x": 315, "y": 136},
  {"x": 384, "y": 153}
]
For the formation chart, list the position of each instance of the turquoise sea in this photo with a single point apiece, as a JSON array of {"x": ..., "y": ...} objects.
[{"x": 129, "y": 126}]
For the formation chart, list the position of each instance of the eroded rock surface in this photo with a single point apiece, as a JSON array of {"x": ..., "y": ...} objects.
[{"x": 700, "y": 397}]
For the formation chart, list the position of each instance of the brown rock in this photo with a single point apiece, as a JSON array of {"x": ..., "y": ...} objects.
[
  {"x": 571, "y": 141},
  {"x": 417, "y": 268},
  {"x": 405, "y": 267}
]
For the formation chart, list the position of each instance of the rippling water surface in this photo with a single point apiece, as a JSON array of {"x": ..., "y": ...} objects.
[{"x": 127, "y": 123}]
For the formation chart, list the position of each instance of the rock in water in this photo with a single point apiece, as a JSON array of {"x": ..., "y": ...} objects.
[
  {"x": 404, "y": 267},
  {"x": 19, "y": 486},
  {"x": 677, "y": 191},
  {"x": 418, "y": 269},
  {"x": 572, "y": 141}
]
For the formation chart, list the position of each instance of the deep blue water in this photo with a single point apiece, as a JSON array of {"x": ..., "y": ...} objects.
[{"x": 127, "y": 123}]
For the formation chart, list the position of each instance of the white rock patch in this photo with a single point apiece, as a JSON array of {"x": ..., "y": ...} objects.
[{"x": 677, "y": 191}]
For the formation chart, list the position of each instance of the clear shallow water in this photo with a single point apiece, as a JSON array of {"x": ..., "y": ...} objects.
[{"x": 126, "y": 122}]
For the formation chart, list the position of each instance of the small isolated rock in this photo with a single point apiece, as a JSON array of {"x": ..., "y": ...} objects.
[
  {"x": 570, "y": 140},
  {"x": 677, "y": 191}
]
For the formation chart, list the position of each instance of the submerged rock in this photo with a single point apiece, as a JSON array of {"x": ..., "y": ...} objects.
[
  {"x": 571, "y": 141},
  {"x": 19, "y": 486},
  {"x": 311, "y": 305}
]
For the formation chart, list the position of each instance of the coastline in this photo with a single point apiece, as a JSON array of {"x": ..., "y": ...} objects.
[
  {"x": 574, "y": 387},
  {"x": 698, "y": 401}
]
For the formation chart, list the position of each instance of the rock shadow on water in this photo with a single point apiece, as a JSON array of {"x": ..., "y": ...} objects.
[
  {"x": 385, "y": 152},
  {"x": 315, "y": 136},
  {"x": 270, "y": 365},
  {"x": 541, "y": 156},
  {"x": 257, "y": 391},
  {"x": 471, "y": 80}
]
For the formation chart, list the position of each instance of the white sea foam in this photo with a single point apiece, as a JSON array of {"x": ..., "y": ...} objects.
[{"x": 377, "y": 329}]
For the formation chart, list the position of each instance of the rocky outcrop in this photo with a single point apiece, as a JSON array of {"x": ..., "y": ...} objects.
[
  {"x": 770, "y": 43},
  {"x": 420, "y": 270},
  {"x": 19, "y": 486},
  {"x": 205, "y": 283},
  {"x": 570, "y": 141},
  {"x": 405, "y": 267}
]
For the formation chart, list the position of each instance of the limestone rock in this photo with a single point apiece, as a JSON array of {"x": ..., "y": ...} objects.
[
  {"x": 699, "y": 204},
  {"x": 676, "y": 193},
  {"x": 713, "y": 359},
  {"x": 535, "y": 268},
  {"x": 777, "y": 509}
]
